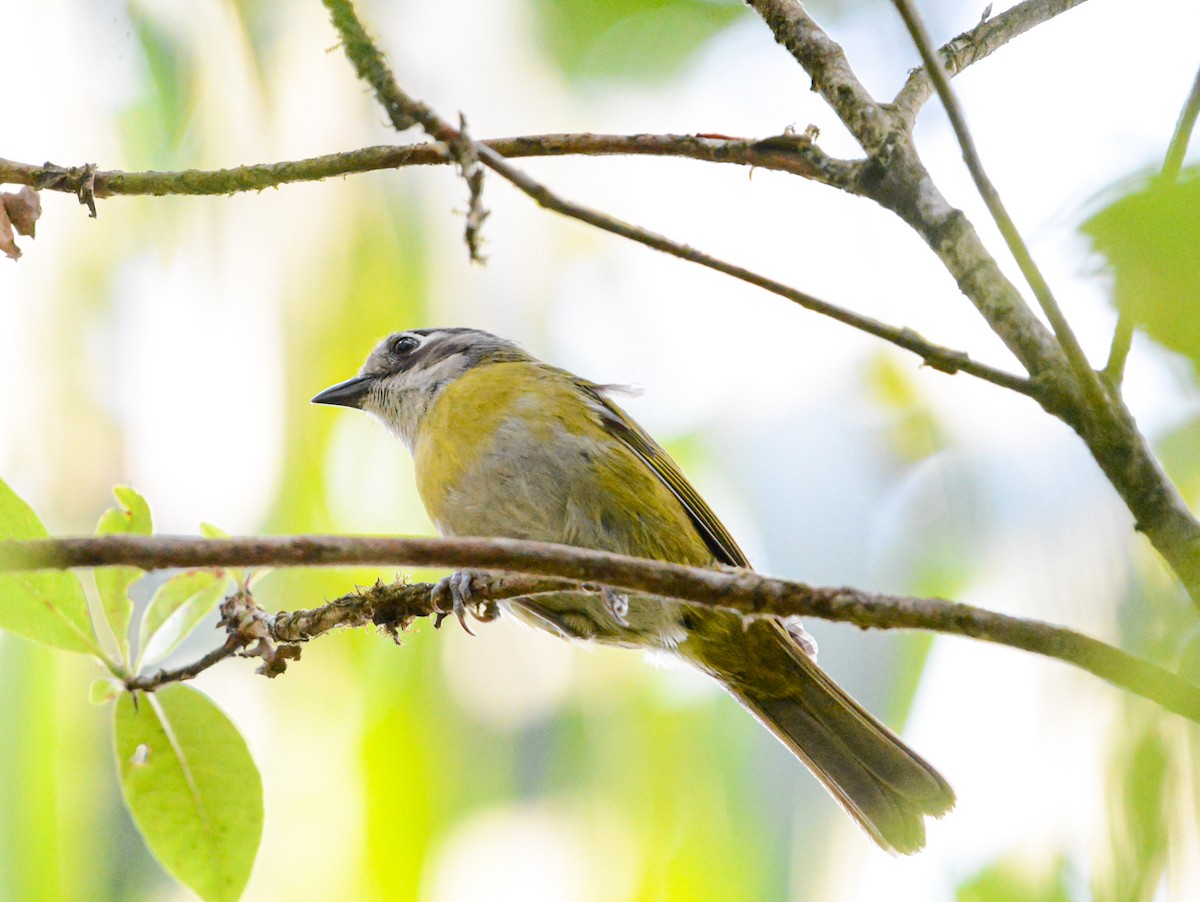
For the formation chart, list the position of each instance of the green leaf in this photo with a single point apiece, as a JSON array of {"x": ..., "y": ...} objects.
[
  {"x": 1143, "y": 805},
  {"x": 1009, "y": 879},
  {"x": 45, "y": 605},
  {"x": 156, "y": 125},
  {"x": 212, "y": 532},
  {"x": 178, "y": 605},
  {"x": 913, "y": 432},
  {"x": 628, "y": 39},
  {"x": 137, "y": 509},
  {"x": 209, "y": 531},
  {"x": 104, "y": 690},
  {"x": 132, "y": 517},
  {"x": 1179, "y": 451},
  {"x": 192, "y": 788},
  {"x": 1150, "y": 237}
]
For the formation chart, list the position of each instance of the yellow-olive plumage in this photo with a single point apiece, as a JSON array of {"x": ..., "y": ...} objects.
[{"x": 505, "y": 445}]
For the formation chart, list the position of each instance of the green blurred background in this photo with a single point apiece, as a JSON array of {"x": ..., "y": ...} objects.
[{"x": 173, "y": 344}]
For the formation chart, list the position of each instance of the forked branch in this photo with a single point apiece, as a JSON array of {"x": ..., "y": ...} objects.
[
  {"x": 1067, "y": 387},
  {"x": 974, "y": 45}
]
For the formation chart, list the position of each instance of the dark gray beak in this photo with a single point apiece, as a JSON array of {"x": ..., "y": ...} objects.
[{"x": 346, "y": 394}]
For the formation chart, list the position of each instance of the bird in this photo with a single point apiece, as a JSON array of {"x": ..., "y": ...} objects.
[{"x": 505, "y": 445}]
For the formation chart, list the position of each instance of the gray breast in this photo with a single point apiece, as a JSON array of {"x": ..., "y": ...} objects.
[
  {"x": 522, "y": 488},
  {"x": 548, "y": 491}
]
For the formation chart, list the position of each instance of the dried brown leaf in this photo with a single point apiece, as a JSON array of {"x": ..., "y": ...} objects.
[
  {"x": 8, "y": 243},
  {"x": 24, "y": 209}
]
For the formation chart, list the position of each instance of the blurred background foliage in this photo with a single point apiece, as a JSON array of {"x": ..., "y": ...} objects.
[
  {"x": 174, "y": 343},
  {"x": 628, "y": 39},
  {"x": 1148, "y": 234}
]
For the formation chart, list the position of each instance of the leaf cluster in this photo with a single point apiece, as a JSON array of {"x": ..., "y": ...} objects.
[{"x": 186, "y": 773}]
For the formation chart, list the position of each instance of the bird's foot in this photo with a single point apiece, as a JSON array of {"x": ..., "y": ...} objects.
[{"x": 454, "y": 594}]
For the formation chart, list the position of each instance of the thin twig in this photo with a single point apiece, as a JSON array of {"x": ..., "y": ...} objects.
[
  {"x": 1101, "y": 419},
  {"x": 150, "y": 681},
  {"x": 825, "y": 62},
  {"x": 1183, "y": 133},
  {"x": 249, "y": 634},
  {"x": 405, "y": 108},
  {"x": 974, "y": 45},
  {"x": 867, "y": 610},
  {"x": 935, "y": 356},
  {"x": 896, "y": 173},
  {"x": 740, "y": 590},
  {"x": 1083, "y": 371},
  {"x": 1114, "y": 370},
  {"x": 1118, "y": 351},
  {"x": 895, "y": 177},
  {"x": 467, "y": 160},
  {"x": 787, "y": 153}
]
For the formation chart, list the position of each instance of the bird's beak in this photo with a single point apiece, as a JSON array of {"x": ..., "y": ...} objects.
[{"x": 346, "y": 394}]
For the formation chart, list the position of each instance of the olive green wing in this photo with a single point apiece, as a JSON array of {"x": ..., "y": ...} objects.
[{"x": 622, "y": 427}]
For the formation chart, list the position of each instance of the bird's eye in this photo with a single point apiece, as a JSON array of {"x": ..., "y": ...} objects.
[{"x": 402, "y": 344}]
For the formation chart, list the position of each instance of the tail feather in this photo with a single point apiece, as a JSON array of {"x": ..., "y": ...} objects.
[{"x": 884, "y": 785}]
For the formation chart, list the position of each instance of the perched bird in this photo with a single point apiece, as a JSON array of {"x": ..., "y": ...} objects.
[{"x": 508, "y": 446}]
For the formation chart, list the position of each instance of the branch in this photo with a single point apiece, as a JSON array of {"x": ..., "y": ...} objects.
[
  {"x": 783, "y": 153},
  {"x": 896, "y": 179},
  {"x": 940, "y": 358},
  {"x": 1183, "y": 133},
  {"x": 825, "y": 62},
  {"x": 795, "y": 154},
  {"x": 249, "y": 634},
  {"x": 1118, "y": 351},
  {"x": 368, "y": 62},
  {"x": 991, "y": 197},
  {"x": 1067, "y": 388},
  {"x": 742, "y": 590},
  {"x": 976, "y": 44},
  {"x": 937, "y": 357},
  {"x": 149, "y": 682},
  {"x": 1074, "y": 393},
  {"x": 902, "y": 186},
  {"x": 900, "y": 182}
]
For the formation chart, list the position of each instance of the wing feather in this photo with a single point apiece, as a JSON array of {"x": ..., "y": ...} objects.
[{"x": 622, "y": 427}]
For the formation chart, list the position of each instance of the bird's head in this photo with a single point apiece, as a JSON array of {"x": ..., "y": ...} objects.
[{"x": 406, "y": 372}]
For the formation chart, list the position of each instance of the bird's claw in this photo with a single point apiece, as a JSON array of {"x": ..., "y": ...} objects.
[{"x": 454, "y": 595}]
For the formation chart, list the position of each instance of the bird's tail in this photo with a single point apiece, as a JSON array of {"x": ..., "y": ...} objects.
[{"x": 884, "y": 785}]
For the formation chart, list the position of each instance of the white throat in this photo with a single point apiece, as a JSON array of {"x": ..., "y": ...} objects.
[{"x": 401, "y": 401}]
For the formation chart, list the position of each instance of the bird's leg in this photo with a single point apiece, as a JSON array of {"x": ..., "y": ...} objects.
[{"x": 454, "y": 595}]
